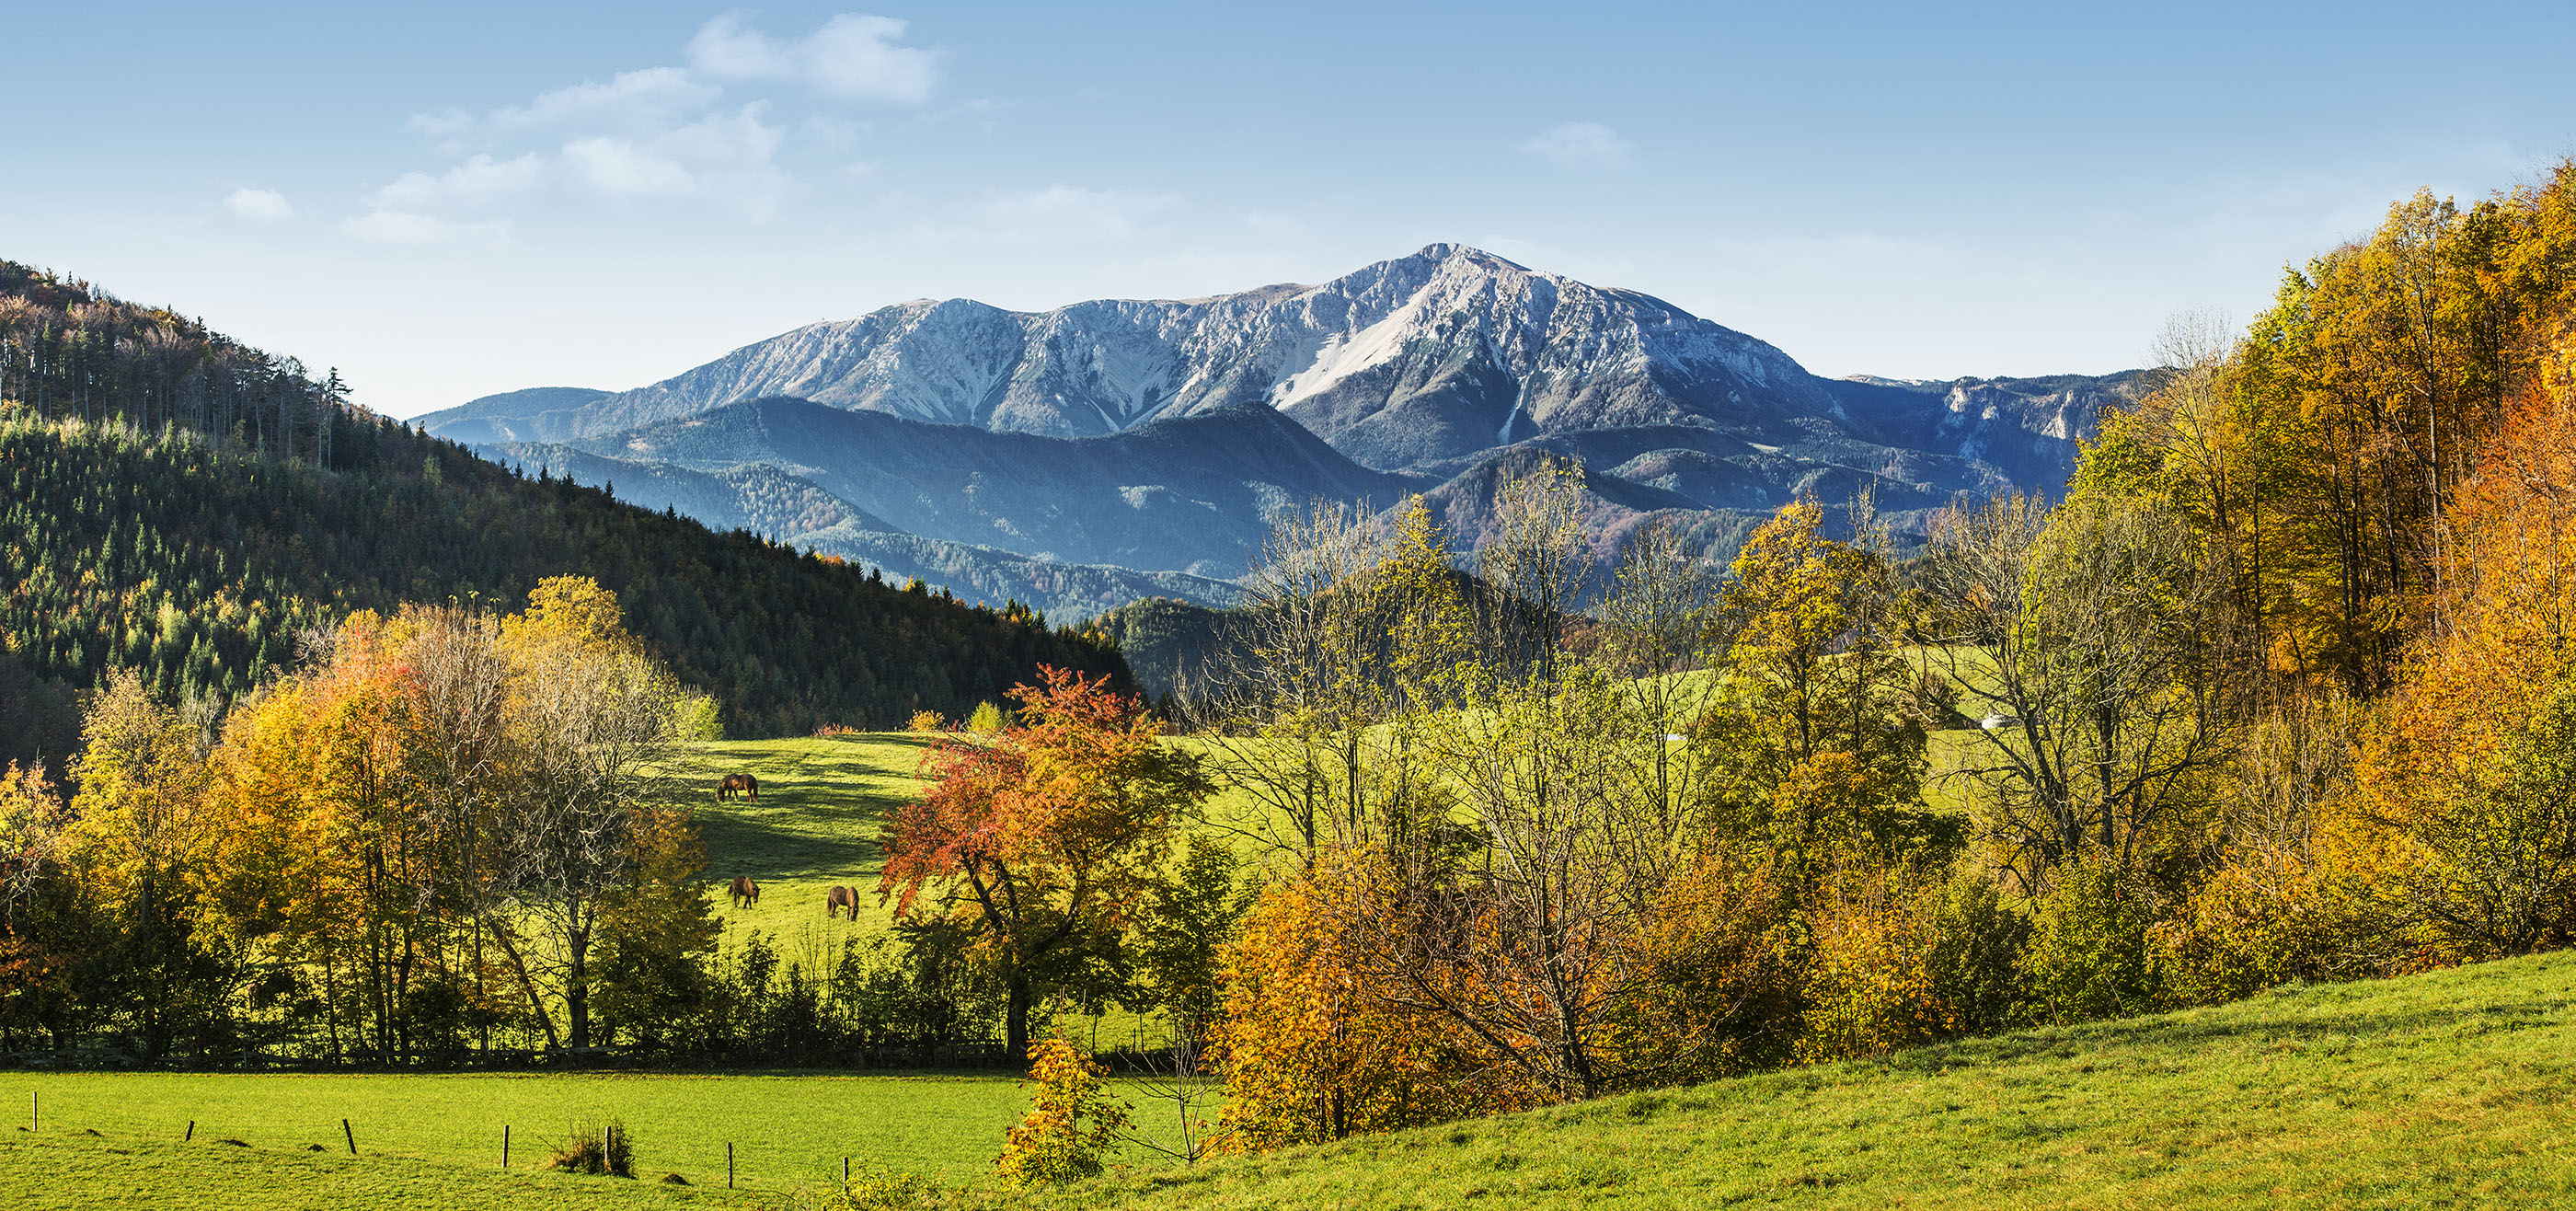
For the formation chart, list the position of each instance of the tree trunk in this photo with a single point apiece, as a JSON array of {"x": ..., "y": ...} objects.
[
  {"x": 577, "y": 986},
  {"x": 1016, "y": 1023}
]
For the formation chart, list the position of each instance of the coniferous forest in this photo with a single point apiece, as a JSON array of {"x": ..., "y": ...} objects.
[{"x": 182, "y": 505}]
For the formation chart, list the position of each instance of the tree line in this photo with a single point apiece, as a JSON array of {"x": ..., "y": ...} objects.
[{"x": 442, "y": 833}]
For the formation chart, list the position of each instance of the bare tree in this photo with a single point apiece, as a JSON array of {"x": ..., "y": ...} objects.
[
  {"x": 2077, "y": 636},
  {"x": 594, "y": 725},
  {"x": 1303, "y": 684}
]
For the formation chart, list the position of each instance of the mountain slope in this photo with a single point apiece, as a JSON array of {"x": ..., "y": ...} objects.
[
  {"x": 2442, "y": 1089},
  {"x": 1406, "y": 362},
  {"x": 534, "y": 414},
  {"x": 1187, "y": 494},
  {"x": 765, "y": 500},
  {"x": 1162, "y": 435},
  {"x": 196, "y": 564}
]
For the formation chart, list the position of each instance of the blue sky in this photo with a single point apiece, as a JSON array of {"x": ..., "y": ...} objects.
[{"x": 455, "y": 199}]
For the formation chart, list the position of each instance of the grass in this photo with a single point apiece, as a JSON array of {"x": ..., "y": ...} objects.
[
  {"x": 787, "y": 1129},
  {"x": 2450, "y": 1089},
  {"x": 822, "y": 803}
]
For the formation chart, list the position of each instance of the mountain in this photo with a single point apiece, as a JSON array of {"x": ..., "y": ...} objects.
[
  {"x": 528, "y": 415},
  {"x": 1160, "y": 435},
  {"x": 1405, "y": 362}
]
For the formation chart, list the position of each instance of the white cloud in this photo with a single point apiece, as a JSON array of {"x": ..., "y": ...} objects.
[
  {"x": 405, "y": 227},
  {"x": 726, "y": 157},
  {"x": 653, "y": 96},
  {"x": 1578, "y": 145},
  {"x": 479, "y": 180},
  {"x": 853, "y": 57},
  {"x": 259, "y": 205},
  {"x": 656, "y": 132}
]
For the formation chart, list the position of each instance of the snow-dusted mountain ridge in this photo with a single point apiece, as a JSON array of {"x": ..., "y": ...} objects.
[
  {"x": 1022, "y": 453},
  {"x": 1401, "y": 364}
]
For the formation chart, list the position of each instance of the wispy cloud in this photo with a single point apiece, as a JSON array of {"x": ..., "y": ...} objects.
[
  {"x": 853, "y": 57},
  {"x": 658, "y": 133},
  {"x": 258, "y": 206},
  {"x": 480, "y": 179},
  {"x": 1578, "y": 145}
]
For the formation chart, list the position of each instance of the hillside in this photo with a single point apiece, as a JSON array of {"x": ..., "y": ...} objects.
[
  {"x": 2442, "y": 1089},
  {"x": 196, "y": 563},
  {"x": 765, "y": 500},
  {"x": 1188, "y": 495},
  {"x": 183, "y": 504}
]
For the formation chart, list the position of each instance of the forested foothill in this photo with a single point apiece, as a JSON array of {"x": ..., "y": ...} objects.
[{"x": 181, "y": 505}]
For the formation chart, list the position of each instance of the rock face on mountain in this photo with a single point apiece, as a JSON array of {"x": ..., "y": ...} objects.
[
  {"x": 1159, "y": 435},
  {"x": 1406, "y": 362}
]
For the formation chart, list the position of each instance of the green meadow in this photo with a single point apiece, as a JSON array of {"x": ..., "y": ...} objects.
[
  {"x": 788, "y": 1130},
  {"x": 2450, "y": 1089}
]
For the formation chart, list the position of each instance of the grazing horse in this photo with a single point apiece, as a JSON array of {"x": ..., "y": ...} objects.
[
  {"x": 840, "y": 898},
  {"x": 745, "y": 892},
  {"x": 743, "y": 784}
]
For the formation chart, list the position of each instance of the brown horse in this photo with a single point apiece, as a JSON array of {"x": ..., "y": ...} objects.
[
  {"x": 840, "y": 898},
  {"x": 733, "y": 784},
  {"x": 745, "y": 892}
]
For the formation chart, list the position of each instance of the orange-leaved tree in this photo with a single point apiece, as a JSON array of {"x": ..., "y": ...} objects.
[
  {"x": 1046, "y": 834},
  {"x": 1318, "y": 1041}
]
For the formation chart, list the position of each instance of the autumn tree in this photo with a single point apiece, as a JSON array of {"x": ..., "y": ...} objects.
[
  {"x": 137, "y": 833},
  {"x": 1814, "y": 743},
  {"x": 594, "y": 720},
  {"x": 1048, "y": 833}
]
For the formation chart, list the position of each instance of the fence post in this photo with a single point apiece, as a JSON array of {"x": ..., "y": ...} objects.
[
  {"x": 192, "y": 1132},
  {"x": 728, "y": 1164},
  {"x": 352, "y": 1135},
  {"x": 505, "y": 1145},
  {"x": 35, "y": 1112},
  {"x": 845, "y": 1175}
]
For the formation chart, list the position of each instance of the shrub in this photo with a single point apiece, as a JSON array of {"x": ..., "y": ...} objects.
[
  {"x": 597, "y": 1151},
  {"x": 924, "y": 723},
  {"x": 988, "y": 720},
  {"x": 1976, "y": 952},
  {"x": 1870, "y": 985},
  {"x": 2087, "y": 956},
  {"x": 1072, "y": 1124}
]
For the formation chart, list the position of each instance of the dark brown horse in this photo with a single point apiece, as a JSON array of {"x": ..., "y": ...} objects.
[
  {"x": 840, "y": 898},
  {"x": 733, "y": 784},
  {"x": 745, "y": 892}
]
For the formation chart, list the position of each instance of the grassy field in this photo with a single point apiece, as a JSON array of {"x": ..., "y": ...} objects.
[
  {"x": 2451, "y": 1089},
  {"x": 2444, "y": 1090},
  {"x": 822, "y": 802},
  {"x": 275, "y": 1141}
]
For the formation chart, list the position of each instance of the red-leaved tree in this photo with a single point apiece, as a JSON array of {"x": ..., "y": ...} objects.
[{"x": 1047, "y": 835}]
